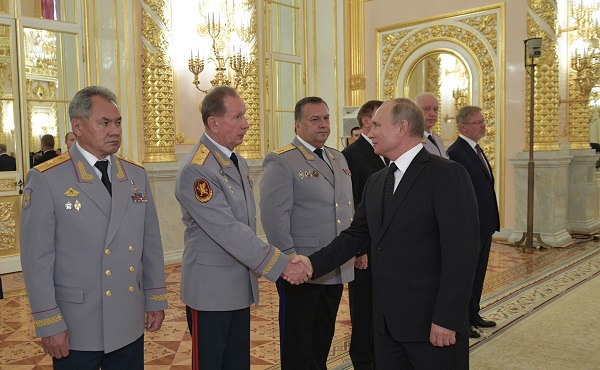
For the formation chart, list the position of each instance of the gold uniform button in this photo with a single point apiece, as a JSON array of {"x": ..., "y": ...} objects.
[
  {"x": 131, "y": 248},
  {"x": 108, "y": 273},
  {"x": 350, "y": 203},
  {"x": 108, "y": 293},
  {"x": 131, "y": 269},
  {"x": 336, "y": 204},
  {"x": 107, "y": 251},
  {"x": 339, "y": 222},
  {"x": 131, "y": 288},
  {"x": 351, "y": 219}
]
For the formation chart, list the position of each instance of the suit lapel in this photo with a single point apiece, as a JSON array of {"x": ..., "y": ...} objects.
[
  {"x": 369, "y": 153},
  {"x": 412, "y": 173},
  {"x": 250, "y": 206},
  {"x": 471, "y": 153},
  {"x": 90, "y": 183},
  {"x": 121, "y": 191}
]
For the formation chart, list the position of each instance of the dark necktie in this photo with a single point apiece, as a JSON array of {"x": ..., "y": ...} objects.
[
  {"x": 434, "y": 143},
  {"x": 319, "y": 153},
  {"x": 234, "y": 159},
  {"x": 389, "y": 187},
  {"x": 103, "y": 167},
  {"x": 480, "y": 154}
]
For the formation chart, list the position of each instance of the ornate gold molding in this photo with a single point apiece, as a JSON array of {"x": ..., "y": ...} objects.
[
  {"x": 8, "y": 184},
  {"x": 540, "y": 18},
  {"x": 157, "y": 83},
  {"x": 250, "y": 93},
  {"x": 355, "y": 53},
  {"x": 480, "y": 29},
  {"x": 9, "y": 231}
]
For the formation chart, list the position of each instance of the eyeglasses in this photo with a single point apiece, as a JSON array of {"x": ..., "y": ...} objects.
[{"x": 481, "y": 121}]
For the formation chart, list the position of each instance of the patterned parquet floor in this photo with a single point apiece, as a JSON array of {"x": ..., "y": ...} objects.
[{"x": 170, "y": 347}]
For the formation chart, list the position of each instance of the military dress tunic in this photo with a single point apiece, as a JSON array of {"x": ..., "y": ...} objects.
[{"x": 92, "y": 263}]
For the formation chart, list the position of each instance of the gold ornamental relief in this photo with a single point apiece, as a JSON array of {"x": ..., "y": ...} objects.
[
  {"x": 8, "y": 184},
  {"x": 398, "y": 46},
  {"x": 9, "y": 216},
  {"x": 157, "y": 83},
  {"x": 546, "y": 97}
]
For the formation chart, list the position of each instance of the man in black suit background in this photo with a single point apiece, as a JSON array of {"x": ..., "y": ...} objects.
[
  {"x": 48, "y": 151},
  {"x": 7, "y": 162},
  {"x": 362, "y": 162},
  {"x": 419, "y": 219},
  {"x": 466, "y": 151}
]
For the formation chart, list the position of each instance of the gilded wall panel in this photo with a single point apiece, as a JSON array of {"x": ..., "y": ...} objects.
[
  {"x": 541, "y": 22},
  {"x": 157, "y": 83},
  {"x": 9, "y": 231},
  {"x": 476, "y": 33}
]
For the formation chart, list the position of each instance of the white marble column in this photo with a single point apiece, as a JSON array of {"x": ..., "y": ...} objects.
[
  {"x": 551, "y": 197},
  {"x": 583, "y": 192},
  {"x": 162, "y": 181}
]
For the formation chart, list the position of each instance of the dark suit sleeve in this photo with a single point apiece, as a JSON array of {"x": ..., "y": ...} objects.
[
  {"x": 456, "y": 214},
  {"x": 354, "y": 170},
  {"x": 350, "y": 242}
]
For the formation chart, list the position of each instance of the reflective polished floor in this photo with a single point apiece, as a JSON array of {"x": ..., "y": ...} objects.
[{"x": 518, "y": 284}]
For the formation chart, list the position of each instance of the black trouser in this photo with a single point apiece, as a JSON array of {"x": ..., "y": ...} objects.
[{"x": 130, "y": 357}]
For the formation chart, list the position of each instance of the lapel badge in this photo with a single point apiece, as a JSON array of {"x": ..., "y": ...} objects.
[
  {"x": 347, "y": 172},
  {"x": 230, "y": 188},
  {"x": 68, "y": 206},
  {"x": 301, "y": 175},
  {"x": 307, "y": 174},
  {"x": 71, "y": 192},
  {"x": 137, "y": 197},
  {"x": 315, "y": 173},
  {"x": 250, "y": 181},
  {"x": 222, "y": 172},
  {"x": 77, "y": 205}
]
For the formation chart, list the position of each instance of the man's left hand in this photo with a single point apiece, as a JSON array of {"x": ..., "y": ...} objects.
[{"x": 154, "y": 320}]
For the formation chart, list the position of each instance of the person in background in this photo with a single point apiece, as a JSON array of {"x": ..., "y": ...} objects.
[
  {"x": 70, "y": 139},
  {"x": 48, "y": 152},
  {"x": 94, "y": 291},
  {"x": 466, "y": 151},
  {"x": 419, "y": 219},
  {"x": 430, "y": 107},
  {"x": 363, "y": 162},
  {"x": 7, "y": 162},
  {"x": 305, "y": 201},
  {"x": 223, "y": 257},
  {"x": 354, "y": 134}
]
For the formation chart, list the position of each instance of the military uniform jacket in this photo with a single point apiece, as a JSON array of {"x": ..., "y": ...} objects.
[
  {"x": 92, "y": 264},
  {"x": 304, "y": 204},
  {"x": 223, "y": 257}
]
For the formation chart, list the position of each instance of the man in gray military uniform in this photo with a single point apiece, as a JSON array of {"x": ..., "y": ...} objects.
[
  {"x": 223, "y": 257},
  {"x": 90, "y": 246},
  {"x": 305, "y": 202}
]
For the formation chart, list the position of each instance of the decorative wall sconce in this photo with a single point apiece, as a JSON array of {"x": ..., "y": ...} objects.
[
  {"x": 585, "y": 61},
  {"x": 227, "y": 27},
  {"x": 460, "y": 97}
]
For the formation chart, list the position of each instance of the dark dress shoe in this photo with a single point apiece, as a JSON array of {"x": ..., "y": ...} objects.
[
  {"x": 474, "y": 333},
  {"x": 481, "y": 323}
]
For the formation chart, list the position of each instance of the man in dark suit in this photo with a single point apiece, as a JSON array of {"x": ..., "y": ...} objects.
[
  {"x": 466, "y": 151},
  {"x": 48, "y": 151},
  {"x": 7, "y": 162},
  {"x": 363, "y": 162},
  {"x": 423, "y": 239}
]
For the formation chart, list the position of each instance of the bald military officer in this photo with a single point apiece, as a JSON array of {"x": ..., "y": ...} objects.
[
  {"x": 305, "y": 202},
  {"x": 90, "y": 246}
]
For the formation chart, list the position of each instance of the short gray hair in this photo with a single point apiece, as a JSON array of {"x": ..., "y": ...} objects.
[
  {"x": 406, "y": 109},
  {"x": 2, "y": 148},
  {"x": 465, "y": 112},
  {"x": 213, "y": 103},
  {"x": 423, "y": 94},
  {"x": 81, "y": 104}
]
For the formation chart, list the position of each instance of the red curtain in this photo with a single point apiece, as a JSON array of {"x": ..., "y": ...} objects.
[{"x": 48, "y": 9}]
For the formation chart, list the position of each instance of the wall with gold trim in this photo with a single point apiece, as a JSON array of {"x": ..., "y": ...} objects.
[{"x": 511, "y": 84}]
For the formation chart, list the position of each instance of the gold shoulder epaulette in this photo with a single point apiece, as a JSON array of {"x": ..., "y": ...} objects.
[
  {"x": 129, "y": 161},
  {"x": 53, "y": 162},
  {"x": 286, "y": 148},
  {"x": 201, "y": 155}
]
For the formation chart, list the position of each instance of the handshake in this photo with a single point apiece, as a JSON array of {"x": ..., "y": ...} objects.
[{"x": 298, "y": 270}]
